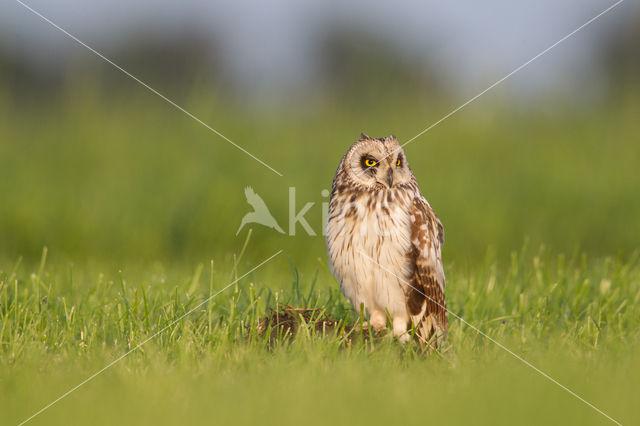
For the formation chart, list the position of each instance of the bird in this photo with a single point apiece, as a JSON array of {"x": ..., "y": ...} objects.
[
  {"x": 260, "y": 213},
  {"x": 384, "y": 242}
]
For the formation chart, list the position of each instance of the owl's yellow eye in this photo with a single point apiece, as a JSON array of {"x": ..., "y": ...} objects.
[
  {"x": 398, "y": 163},
  {"x": 369, "y": 162}
]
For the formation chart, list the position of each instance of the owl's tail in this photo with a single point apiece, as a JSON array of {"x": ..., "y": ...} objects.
[{"x": 431, "y": 331}]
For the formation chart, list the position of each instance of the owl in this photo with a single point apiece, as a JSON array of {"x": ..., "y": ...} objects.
[{"x": 384, "y": 242}]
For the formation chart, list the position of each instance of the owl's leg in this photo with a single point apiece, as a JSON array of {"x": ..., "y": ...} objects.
[
  {"x": 378, "y": 320},
  {"x": 400, "y": 329}
]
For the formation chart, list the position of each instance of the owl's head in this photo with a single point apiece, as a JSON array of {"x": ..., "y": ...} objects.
[{"x": 377, "y": 163}]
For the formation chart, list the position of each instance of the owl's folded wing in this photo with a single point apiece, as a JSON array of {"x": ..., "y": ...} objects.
[{"x": 426, "y": 299}]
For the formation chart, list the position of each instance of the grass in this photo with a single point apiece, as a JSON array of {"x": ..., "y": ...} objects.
[{"x": 574, "y": 318}]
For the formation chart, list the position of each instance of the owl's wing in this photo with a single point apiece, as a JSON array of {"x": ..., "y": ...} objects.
[{"x": 425, "y": 297}]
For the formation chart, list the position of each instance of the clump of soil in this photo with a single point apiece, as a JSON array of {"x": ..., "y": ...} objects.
[{"x": 285, "y": 322}]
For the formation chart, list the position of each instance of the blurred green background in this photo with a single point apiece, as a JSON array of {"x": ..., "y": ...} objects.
[
  {"x": 91, "y": 176},
  {"x": 94, "y": 166}
]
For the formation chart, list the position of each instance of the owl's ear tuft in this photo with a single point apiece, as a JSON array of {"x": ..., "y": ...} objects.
[{"x": 364, "y": 136}]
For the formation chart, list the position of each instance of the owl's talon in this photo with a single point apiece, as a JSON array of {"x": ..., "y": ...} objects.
[
  {"x": 378, "y": 321},
  {"x": 362, "y": 326},
  {"x": 404, "y": 339}
]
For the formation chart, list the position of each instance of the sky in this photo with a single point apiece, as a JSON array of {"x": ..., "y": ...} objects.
[{"x": 271, "y": 44}]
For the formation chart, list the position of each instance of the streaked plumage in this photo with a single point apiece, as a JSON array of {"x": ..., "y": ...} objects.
[{"x": 384, "y": 241}]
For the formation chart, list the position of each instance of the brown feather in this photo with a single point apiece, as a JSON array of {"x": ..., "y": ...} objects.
[{"x": 425, "y": 298}]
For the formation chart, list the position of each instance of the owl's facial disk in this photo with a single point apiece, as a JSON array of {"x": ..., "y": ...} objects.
[{"x": 378, "y": 163}]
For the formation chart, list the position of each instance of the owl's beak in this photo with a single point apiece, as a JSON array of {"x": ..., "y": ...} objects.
[{"x": 390, "y": 177}]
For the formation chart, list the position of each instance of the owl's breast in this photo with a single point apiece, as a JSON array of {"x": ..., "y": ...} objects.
[{"x": 368, "y": 227}]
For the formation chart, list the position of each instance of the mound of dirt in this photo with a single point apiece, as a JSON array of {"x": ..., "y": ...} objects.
[{"x": 285, "y": 322}]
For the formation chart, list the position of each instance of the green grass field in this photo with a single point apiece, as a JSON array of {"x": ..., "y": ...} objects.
[
  {"x": 134, "y": 200},
  {"x": 575, "y": 319}
]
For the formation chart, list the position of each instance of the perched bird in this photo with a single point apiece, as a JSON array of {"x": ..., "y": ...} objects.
[
  {"x": 384, "y": 242},
  {"x": 260, "y": 213}
]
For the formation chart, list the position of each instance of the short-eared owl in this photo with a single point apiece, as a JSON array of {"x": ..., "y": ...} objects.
[{"x": 385, "y": 241}]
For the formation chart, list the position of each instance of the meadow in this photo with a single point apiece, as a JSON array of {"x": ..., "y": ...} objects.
[{"x": 118, "y": 216}]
